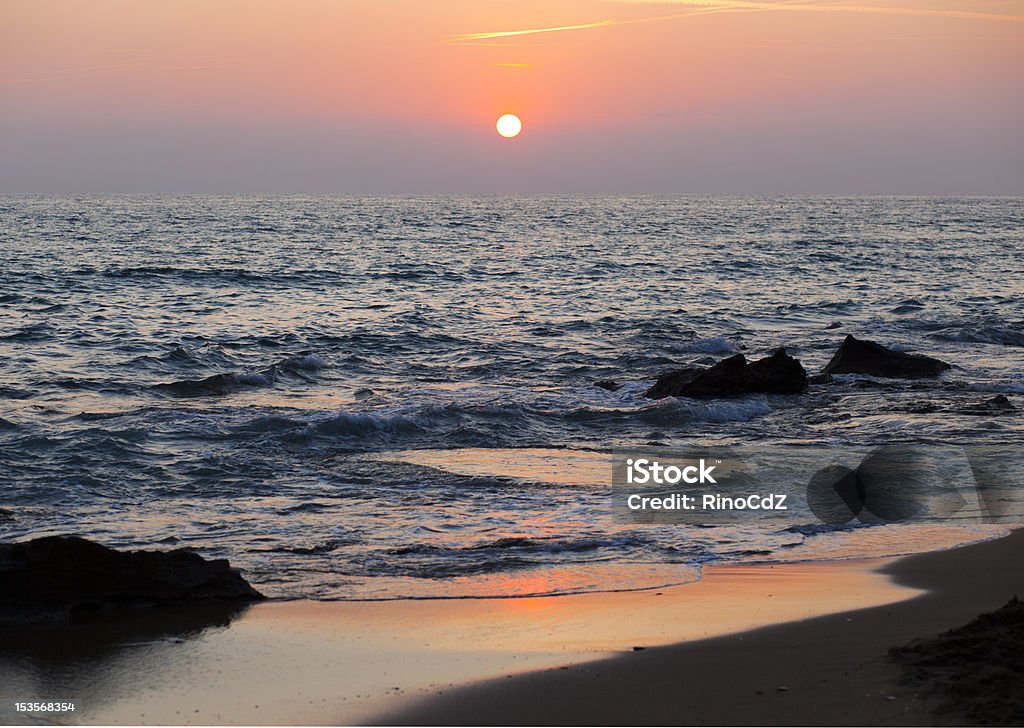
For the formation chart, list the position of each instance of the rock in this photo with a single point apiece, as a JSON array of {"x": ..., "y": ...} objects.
[
  {"x": 856, "y": 356},
  {"x": 998, "y": 405},
  {"x": 609, "y": 384},
  {"x": 58, "y": 577},
  {"x": 672, "y": 382},
  {"x": 1000, "y": 402},
  {"x": 777, "y": 374},
  {"x": 975, "y": 669}
]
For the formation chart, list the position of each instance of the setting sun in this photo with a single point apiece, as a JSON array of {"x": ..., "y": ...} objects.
[{"x": 509, "y": 126}]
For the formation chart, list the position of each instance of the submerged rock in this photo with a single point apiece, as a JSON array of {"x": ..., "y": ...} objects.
[
  {"x": 777, "y": 374},
  {"x": 998, "y": 405},
  {"x": 1000, "y": 402},
  {"x": 59, "y": 576},
  {"x": 610, "y": 384},
  {"x": 857, "y": 356}
]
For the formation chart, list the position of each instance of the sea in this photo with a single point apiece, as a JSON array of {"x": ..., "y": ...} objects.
[{"x": 393, "y": 397}]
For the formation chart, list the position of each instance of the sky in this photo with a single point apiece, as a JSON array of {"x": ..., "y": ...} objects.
[{"x": 615, "y": 96}]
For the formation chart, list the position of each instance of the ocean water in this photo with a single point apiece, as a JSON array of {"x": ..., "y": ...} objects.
[{"x": 259, "y": 378}]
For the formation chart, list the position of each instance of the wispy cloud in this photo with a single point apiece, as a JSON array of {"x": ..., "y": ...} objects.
[
  {"x": 826, "y": 8},
  {"x": 529, "y": 31},
  {"x": 705, "y": 10},
  {"x": 704, "y": 7}
]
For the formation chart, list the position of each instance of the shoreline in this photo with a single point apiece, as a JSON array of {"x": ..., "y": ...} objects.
[
  {"x": 819, "y": 629},
  {"x": 826, "y": 670},
  {"x": 304, "y": 662}
]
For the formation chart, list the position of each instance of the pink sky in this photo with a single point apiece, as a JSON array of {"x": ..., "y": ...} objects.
[{"x": 789, "y": 96}]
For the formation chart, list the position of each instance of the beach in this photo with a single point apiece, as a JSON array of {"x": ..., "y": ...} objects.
[
  {"x": 829, "y": 670},
  {"x": 797, "y": 643}
]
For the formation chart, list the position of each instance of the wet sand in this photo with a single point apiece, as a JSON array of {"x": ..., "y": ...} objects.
[
  {"x": 356, "y": 662},
  {"x": 829, "y": 670}
]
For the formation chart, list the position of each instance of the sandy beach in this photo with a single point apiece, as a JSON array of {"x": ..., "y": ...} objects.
[
  {"x": 821, "y": 630},
  {"x": 829, "y": 670}
]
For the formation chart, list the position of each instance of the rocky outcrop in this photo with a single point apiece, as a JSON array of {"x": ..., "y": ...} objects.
[
  {"x": 670, "y": 384},
  {"x": 777, "y": 374},
  {"x": 857, "y": 356},
  {"x": 977, "y": 669},
  {"x": 58, "y": 577}
]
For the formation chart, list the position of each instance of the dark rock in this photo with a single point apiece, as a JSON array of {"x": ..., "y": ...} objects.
[
  {"x": 58, "y": 577},
  {"x": 777, "y": 374},
  {"x": 819, "y": 379},
  {"x": 977, "y": 669},
  {"x": 1000, "y": 402},
  {"x": 857, "y": 356},
  {"x": 609, "y": 384},
  {"x": 671, "y": 382},
  {"x": 998, "y": 405}
]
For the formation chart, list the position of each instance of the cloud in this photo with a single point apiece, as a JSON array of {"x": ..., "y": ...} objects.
[
  {"x": 703, "y": 7},
  {"x": 529, "y": 31},
  {"x": 818, "y": 8},
  {"x": 468, "y": 38}
]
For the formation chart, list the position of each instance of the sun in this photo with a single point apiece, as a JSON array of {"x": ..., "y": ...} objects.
[{"x": 509, "y": 126}]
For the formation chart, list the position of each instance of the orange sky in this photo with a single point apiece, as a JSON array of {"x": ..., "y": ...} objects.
[{"x": 423, "y": 82}]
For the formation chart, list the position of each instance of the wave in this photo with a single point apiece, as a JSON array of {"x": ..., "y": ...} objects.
[
  {"x": 31, "y": 332},
  {"x": 1002, "y": 335},
  {"x": 226, "y": 383},
  {"x": 305, "y": 277},
  {"x": 997, "y": 387},
  {"x": 324, "y": 547},
  {"x": 815, "y": 529},
  {"x": 215, "y": 385},
  {"x": 361, "y": 424},
  {"x": 307, "y": 362},
  {"x": 14, "y": 393},
  {"x": 546, "y": 545},
  {"x": 432, "y": 561},
  {"x": 713, "y": 345},
  {"x": 910, "y": 305},
  {"x": 672, "y": 409}
]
